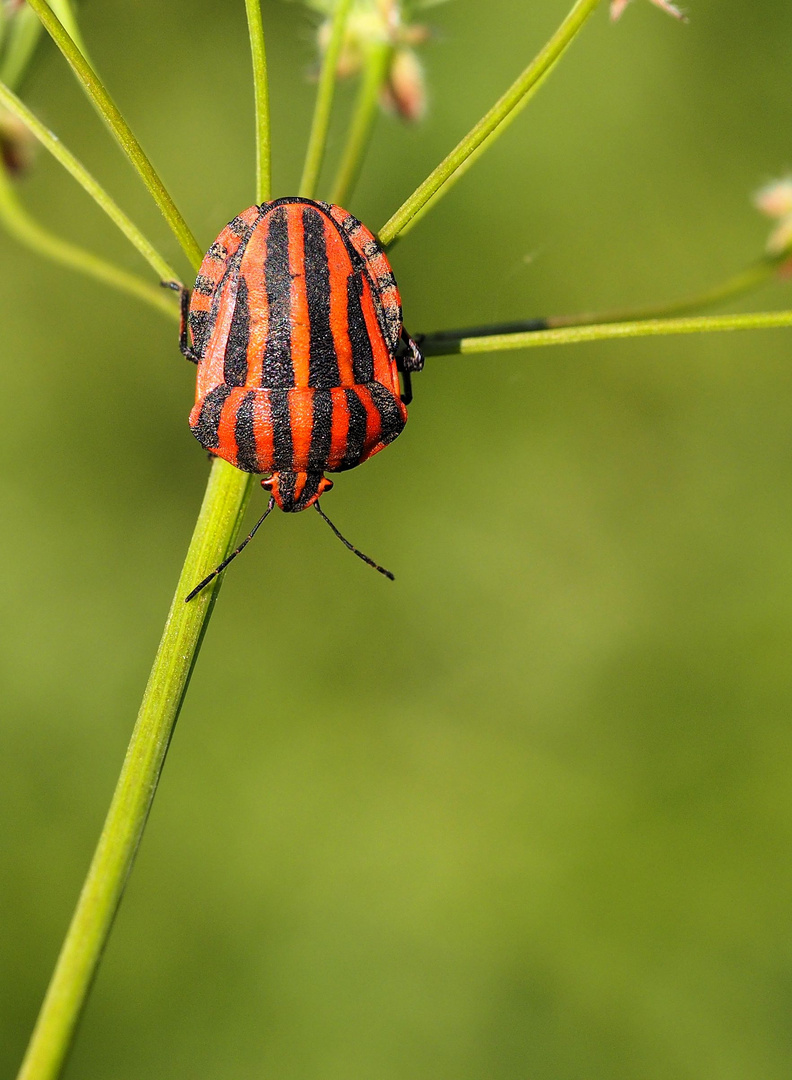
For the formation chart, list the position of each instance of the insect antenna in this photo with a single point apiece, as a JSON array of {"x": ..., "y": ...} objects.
[
  {"x": 346, "y": 543},
  {"x": 202, "y": 584}
]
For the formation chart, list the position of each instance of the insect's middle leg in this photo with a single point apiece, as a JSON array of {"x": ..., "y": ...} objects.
[{"x": 184, "y": 323}]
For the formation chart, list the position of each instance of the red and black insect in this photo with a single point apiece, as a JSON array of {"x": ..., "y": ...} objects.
[{"x": 296, "y": 326}]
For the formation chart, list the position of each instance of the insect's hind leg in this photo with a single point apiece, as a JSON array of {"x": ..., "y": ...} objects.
[
  {"x": 408, "y": 359},
  {"x": 184, "y": 323},
  {"x": 406, "y": 392}
]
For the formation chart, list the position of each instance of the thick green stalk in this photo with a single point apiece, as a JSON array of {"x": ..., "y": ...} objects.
[
  {"x": 261, "y": 94},
  {"x": 52, "y": 143},
  {"x": 218, "y": 523},
  {"x": 317, "y": 141},
  {"x": 16, "y": 221},
  {"x": 119, "y": 128},
  {"x": 491, "y": 126},
  {"x": 363, "y": 119},
  {"x": 215, "y": 532},
  {"x": 573, "y": 335}
]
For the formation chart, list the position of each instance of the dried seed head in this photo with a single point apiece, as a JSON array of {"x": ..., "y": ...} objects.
[{"x": 618, "y": 6}]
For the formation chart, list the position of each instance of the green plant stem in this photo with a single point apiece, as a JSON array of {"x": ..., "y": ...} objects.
[
  {"x": 317, "y": 141},
  {"x": 218, "y": 522},
  {"x": 120, "y": 129},
  {"x": 16, "y": 220},
  {"x": 491, "y": 126},
  {"x": 65, "y": 12},
  {"x": 737, "y": 285},
  {"x": 261, "y": 94},
  {"x": 52, "y": 143},
  {"x": 573, "y": 335},
  {"x": 213, "y": 539},
  {"x": 23, "y": 36},
  {"x": 363, "y": 119}
]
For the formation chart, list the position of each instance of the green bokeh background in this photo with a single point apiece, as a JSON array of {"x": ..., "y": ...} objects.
[{"x": 527, "y": 812}]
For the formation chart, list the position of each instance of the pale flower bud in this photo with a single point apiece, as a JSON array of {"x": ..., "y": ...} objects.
[
  {"x": 405, "y": 90},
  {"x": 374, "y": 23},
  {"x": 775, "y": 200},
  {"x": 618, "y": 6}
]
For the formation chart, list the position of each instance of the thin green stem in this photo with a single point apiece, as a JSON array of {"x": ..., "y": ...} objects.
[
  {"x": 261, "y": 93},
  {"x": 491, "y": 126},
  {"x": 217, "y": 526},
  {"x": 18, "y": 222},
  {"x": 573, "y": 335},
  {"x": 120, "y": 129},
  {"x": 317, "y": 141},
  {"x": 65, "y": 12},
  {"x": 24, "y": 32},
  {"x": 738, "y": 285},
  {"x": 364, "y": 116},
  {"x": 23, "y": 36},
  {"x": 52, "y": 143}
]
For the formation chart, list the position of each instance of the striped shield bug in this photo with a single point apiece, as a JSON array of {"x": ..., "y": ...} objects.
[{"x": 295, "y": 323}]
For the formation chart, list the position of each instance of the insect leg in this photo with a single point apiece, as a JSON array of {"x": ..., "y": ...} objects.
[
  {"x": 406, "y": 394},
  {"x": 408, "y": 360},
  {"x": 184, "y": 324},
  {"x": 411, "y": 356}
]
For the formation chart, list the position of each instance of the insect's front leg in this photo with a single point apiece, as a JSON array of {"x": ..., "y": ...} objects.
[{"x": 184, "y": 324}]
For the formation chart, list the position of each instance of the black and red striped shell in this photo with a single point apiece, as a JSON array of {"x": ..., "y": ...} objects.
[{"x": 296, "y": 321}]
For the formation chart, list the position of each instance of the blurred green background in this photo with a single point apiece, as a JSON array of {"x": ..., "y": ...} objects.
[{"x": 528, "y": 811}]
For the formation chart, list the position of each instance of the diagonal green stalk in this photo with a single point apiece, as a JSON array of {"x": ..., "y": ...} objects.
[
  {"x": 574, "y": 335},
  {"x": 491, "y": 126},
  {"x": 317, "y": 140},
  {"x": 364, "y": 116},
  {"x": 737, "y": 285},
  {"x": 261, "y": 95},
  {"x": 52, "y": 143},
  {"x": 213, "y": 538},
  {"x": 64, "y": 11},
  {"x": 27, "y": 231},
  {"x": 119, "y": 128},
  {"x": 217, "y": 525}
]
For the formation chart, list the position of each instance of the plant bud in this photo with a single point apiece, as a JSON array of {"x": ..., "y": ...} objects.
[
  {"x": 618, "y": 6},
  {"x": 16, "y": 144},
  {"x": 405, "y": 91},
  {"x": 775, "y": 200},
  {"x": 374, "y": 23}
]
